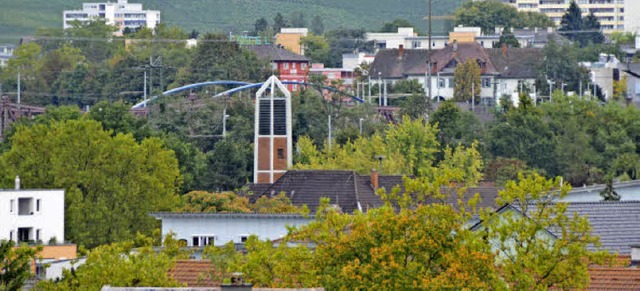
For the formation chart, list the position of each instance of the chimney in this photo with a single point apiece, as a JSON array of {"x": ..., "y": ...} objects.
[
  {"x": 400, "y": 51},
  {"x": 635, "y": 255},
  {"x": 17, "y": 183},
  {"x": 505, "y": 50},
  {"x": 374, "y": 179},
  {"x": 455, "y": 45}
]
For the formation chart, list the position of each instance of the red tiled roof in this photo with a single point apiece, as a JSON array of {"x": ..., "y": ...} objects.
[
  {"x": 194, "y": 273},
  {"x": 614, "y": 278}
]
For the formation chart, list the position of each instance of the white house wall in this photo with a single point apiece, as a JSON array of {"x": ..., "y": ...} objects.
[
  {"x": 232, "y": 228},
  {"x": 50, "y": 218}
]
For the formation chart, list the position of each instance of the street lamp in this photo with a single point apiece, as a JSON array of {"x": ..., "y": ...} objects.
[
  {"x": 361, "y": 119},
  {"x": 224, "y": 122}
]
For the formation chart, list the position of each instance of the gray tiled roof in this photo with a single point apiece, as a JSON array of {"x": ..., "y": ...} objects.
[
  {"x": 617, "y": 223},
  {"x": 274, "y": 53},
  {"x": 516, "y": 63}
]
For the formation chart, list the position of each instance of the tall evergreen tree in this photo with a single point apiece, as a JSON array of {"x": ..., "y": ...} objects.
[
  {"x": 592, "y": 23},
  {"x": 279, "y": 22},
  {"x": 297, "y": 19},
  {"x": 260, "y": 25},
  {"x": 317, "y": 26}
]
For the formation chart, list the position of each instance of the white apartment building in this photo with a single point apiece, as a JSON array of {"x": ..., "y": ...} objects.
[
  {"x": 120, "y": 14},
  {"x": 31, "y": 215},
  {"x": 614, "y": 15},
  {"x": 6, "y": 53}
]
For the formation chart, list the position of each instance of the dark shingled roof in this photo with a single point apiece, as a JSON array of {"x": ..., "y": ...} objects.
[
  {"x": 413, "y": 62},
  {"x": 275, "y": 54},
  {"x": 517, "y": 63},
  {"x": 347, "y": 189}
]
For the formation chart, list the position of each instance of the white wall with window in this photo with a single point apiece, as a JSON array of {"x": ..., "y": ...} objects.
[
  {"x": 201, "y": 229},
  {"x": 32, "y": 215}
]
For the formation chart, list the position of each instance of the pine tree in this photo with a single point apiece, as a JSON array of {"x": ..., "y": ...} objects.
[
  {"x": 279, "y": 22},
  {"x": 571, "y": 22}
]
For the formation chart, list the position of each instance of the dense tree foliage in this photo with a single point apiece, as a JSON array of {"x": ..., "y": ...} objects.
[
  {"x": 15, "y": 264},
  {"x": 131, "y": 263},
  {"x": 582, "y": 30},
  {"x": 467, "y": 84},
  {"x": 492, "y": 14},
  {"x": 112, "y": 182},
  {"x": 409, "y": 244}
]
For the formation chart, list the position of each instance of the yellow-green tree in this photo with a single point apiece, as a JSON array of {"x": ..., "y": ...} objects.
[
  {"x": 124, "y": 264},
  {"x": 467, "y": 81},
  {"x": 15, "y": 264},
  {"x": 408, "y": 148},
  {"x": 539, "y": 245}
]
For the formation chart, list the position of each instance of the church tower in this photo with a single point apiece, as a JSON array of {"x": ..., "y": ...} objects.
[{"x": 273, "y": 138}]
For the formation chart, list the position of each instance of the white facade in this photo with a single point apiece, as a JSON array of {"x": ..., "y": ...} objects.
[
  {"x": 389, "y": 40},
  {"x": 6, "y": 52},
  {"x": 632, "y": 21},
  {"x": 55, "y": 268},
  {"x": 628, "y": 191},
  {"x": 199, "y": 229},
  {"x": 120, "y": 14},
  {"x": 613, "y": 15},
  {"x": 32, "y": 215}
]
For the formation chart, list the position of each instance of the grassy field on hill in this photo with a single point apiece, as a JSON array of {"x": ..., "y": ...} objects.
[{"x": 23, "y": 17}]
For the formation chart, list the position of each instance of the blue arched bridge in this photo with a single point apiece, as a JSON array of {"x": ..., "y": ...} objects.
[{"x": 239, "y": 86}]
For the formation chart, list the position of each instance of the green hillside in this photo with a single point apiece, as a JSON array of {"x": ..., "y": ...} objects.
[{"x": 23, "y": 17}]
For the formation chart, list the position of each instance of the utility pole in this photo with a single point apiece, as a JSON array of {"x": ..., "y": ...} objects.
[
  {"x": 473, "y": 95},
  {"x": 429, "y": 55},
  {"x": 144, "y": 90},
  {"x": 385, "y": 94},
  {"x": 19, "y": 89},
  {"x": 329, "y": 124},
  {"x": 369, "y": 77},
  {"x": 379, "y": 88},
  {"x": 361, "y": 119}
]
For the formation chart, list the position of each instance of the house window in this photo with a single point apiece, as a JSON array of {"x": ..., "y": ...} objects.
[
  {"x": 274, "y": 66},
  {"x": 37, "y": 205},
  {"x": 303, "y": 66},
  {"x": 25, "y": 206},
  {"x": 285, "y": 66},
  {"x": 442, "y": 82},
  {"x": 11, "y": 235},
  {"x": 244, "y": 238},
  {"x": 486, "y": 82},
  {"x": 37, "y": 234},
  {"x": 11, "y": 205},
  {"x": 25, "y": 234},
  {"x": 280, "y": 153},
  {"x": 203, "y": 240},
  {"x": 451, "y": 83}
]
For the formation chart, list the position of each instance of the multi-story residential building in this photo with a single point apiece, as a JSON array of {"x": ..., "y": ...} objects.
[
  {"x": 120, "y": 14},
  {"x": 6, "y": 52},
  {"x": 31, "y": 216},
  {"x": 614, "y": 15},
  {"x": 289, "y": 38}
]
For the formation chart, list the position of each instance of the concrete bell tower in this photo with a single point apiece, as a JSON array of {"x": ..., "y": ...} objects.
[{"x": 273, "y": 138}]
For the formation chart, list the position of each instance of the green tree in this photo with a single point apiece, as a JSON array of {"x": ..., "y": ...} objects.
[
  {"x": 609, "y": 193},
  {"x": 117, "y": 118},
  {"x": 15, "y": 263},
  {"x": 260, "y": 25},
  {"x": 528, "y": 257},
  {"x": 395, "y": 24},
  {"x": 201, "y": 201},
  {"x": 279, "y": 22},
  {"x": 124, "y": 264},
  {"x": 507, "y": 38},
  {"x": 317, "y": 48},
  {"x": 95, "y": 51},
  {"x": 229, "y": 165},
  {"x": 575, "y": 27},
  {"x": 491, "y": 14},
  {"x": 297, "y": 19},
  {"x": 415, "y": 106},
  {"x": 467, "y": 81},
  {"x": 346, "y": 41},
  {"x": 111, "y": 182},
  {"x": 317, "y": 26}
]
